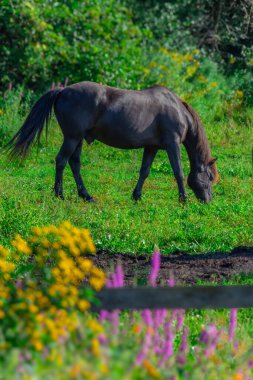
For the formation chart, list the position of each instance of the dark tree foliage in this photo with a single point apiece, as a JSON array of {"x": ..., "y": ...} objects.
[
  {"x": 47, "y": 40},
  {"x": 223, "y": 27},
  {"x": 112, "y": 40}
]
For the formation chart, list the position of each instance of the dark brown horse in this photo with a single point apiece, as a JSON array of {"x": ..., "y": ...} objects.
[{"x": 153, "y": 118}]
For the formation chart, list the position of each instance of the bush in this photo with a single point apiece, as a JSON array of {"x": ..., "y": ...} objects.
[
  {"x": 40, "y": 293},
  {"x": 46, "y": 41}
]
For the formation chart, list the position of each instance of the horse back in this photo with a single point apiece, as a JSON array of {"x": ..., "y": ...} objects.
[{"x": 120, "y": 118}]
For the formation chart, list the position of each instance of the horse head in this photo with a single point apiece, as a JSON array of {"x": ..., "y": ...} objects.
[{"x": 201, "y": 179}]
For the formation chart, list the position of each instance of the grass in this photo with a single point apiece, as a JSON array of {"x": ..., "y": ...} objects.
[{"x": 118, "y": 224}]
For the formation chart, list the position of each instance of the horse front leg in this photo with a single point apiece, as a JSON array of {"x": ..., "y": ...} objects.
[
  {"x": 147, "y": 160},
  {"x": 75, "y": 165},
  {"x": 173, "y": 151}
]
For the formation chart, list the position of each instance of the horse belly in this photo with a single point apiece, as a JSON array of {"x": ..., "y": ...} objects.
[{"x": 126, "y": 133}]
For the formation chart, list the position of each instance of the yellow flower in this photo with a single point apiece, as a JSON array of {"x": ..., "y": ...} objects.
[
  {"x": 202, "y": 78},
  {"x": 83, "y": 305},
  {"x": 36, "y": 231},
  {"x": 6, "y": 266},
  {"x": 239, "y": 93},
  {"x": 136, "y": 328},
  {"x": 188, "y": 57},
  {"x": 238, "y": 376},
  {"x": 2, "y": 314},
  {"x": 95, "y": 326},
  {"x": 85, "y": 264},
  {"x": 75, "y": 371},
  {"x": 153, "y": 64},
  {"x": 95, "y": 347},
  {"x": 3, "y": 252},
  {"x": 163, "y": 50},
  {"x": 33, "y": 309},
  {"x": 21, "y": 245},
  {"x": 37, "y": 345},
  {"x": 146, "y": 71},
  {"x": 152, "y": 371},
  {"x": 97, "y": 283},
  {"x": 232, "y": 60},
  {"x": 104, "y": 369}
]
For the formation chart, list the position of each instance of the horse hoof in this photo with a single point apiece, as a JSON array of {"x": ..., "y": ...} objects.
[
  {"x": 182, "y": 198},
  {"x": 90, "y": 200},
  {"x": 136, "y": 198},
  {"x": 60, "y": 196}
]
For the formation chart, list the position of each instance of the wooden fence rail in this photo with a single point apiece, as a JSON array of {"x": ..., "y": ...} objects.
[{"x": 196, "y": 297}]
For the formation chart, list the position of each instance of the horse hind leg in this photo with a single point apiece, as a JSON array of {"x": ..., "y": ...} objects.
[
  {"x": 147, "y": 160},
  {"x": 67, "y": 149},
  {"x": 75, "y": 165}
]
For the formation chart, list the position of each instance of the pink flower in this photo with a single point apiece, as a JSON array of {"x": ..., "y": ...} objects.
[
  {"x": 171, "y": 281},
  {"x": 118, "y": 277},
  {"x": 210, "y": 336},
  {"x": 147, "y": 317},
  {"x": 232, "y": 324},
  {"x": 168, "y": 340},
  {"x": 180, "y": 319},
  {"x": 155, "y": 267},
  {"x": 145, "y": 348},
  {"x": 183, "y": 349}
]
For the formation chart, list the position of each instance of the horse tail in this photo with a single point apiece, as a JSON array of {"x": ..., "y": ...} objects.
[{"x": 32, "y": 128}]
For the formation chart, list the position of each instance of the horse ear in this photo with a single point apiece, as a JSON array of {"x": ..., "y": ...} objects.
[
  {"x": 213, "y": 160},
  {"x": 213, "y": 167}
]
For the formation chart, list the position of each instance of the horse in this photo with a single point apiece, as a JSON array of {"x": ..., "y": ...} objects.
[{"x": 153, "y": 118}]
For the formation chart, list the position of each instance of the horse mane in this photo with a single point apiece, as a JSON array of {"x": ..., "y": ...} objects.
[{"x": 202, "y": 146}]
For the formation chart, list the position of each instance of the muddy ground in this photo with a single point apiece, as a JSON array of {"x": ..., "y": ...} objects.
[{"x": 186, "y": 268}]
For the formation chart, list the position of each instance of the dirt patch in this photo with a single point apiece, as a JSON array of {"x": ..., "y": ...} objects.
[{"x": 186, "y": 268}]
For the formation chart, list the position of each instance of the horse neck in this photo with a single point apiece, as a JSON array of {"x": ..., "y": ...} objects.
[{"x": 197, "y": 147}]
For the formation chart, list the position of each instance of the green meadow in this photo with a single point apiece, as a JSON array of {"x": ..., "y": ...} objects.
[
  {"x": 115, "y": 221},
  {"x": 200, "y": 50}
]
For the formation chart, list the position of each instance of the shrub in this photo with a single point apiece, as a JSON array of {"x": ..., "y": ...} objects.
[{"x": 40, "y": 293}]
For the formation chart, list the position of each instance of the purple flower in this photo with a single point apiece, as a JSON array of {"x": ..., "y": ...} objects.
[
  {"x": 147, "y": 317},
  {"x": 118, "y": 277},
  {"x": 210, "y": 337},
  {"x": 232, "y": 324},
  {"x": 145, "y": 348},
  {"x": 168, "y": 340},
  {"x": 155, "y": 267},
  {"x": 114, "y": 317},
  {"x": 102, "y": 339},
  {"x": 171, "y": 281},
  {"x": 109, "y": 283},
  {"x": 103, "y": 315},
  {"x": 180, "y": 318},
  {"x": 183, "y": 349}
]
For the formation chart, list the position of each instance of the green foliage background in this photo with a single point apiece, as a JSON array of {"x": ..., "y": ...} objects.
[
  {"x": 112, "y": 40},
  {"x": 202, "y": 50}
]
